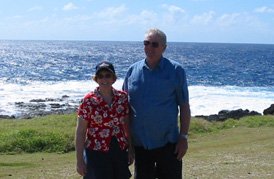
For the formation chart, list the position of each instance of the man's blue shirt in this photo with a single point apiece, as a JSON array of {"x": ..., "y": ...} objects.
[{"x": 154, "y": 96}]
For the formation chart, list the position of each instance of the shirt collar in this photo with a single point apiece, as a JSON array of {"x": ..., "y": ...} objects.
[
  {"x": 114, "y": 91},
  {"x": 160, "y": 65}
]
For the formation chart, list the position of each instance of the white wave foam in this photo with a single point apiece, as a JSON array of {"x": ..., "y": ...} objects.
[
  {"x": 210, "y": 100},
  {"x": 203, "y": 100}
]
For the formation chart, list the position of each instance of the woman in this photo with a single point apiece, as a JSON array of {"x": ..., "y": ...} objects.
[{"x": 102, "y": 133}]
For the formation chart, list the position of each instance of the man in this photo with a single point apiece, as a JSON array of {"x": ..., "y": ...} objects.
[{"x": 157, "y": 88}]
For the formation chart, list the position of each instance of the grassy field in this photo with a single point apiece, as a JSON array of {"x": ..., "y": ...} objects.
[{"x": 231, "y": 149}]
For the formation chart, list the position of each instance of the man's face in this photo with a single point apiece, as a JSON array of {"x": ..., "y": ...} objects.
[{"x": 153, "y": 47}]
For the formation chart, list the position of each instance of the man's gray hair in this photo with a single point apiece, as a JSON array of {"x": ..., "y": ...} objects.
[{"x": 158, "y": 33}]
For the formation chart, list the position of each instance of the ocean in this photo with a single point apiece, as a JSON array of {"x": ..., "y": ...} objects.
[{"x": 220, "y": 76}]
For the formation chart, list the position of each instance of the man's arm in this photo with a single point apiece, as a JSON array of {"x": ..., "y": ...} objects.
[
  {"x": 182, "y": 144},
  {"x": 184, "y": 118}
]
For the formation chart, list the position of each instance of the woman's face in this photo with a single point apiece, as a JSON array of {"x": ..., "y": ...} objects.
[{"x": 105, "y": 78}]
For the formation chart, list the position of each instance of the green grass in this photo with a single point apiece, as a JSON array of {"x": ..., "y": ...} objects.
[
  {"x": 199, "y": 125},
  {"x": 53, "y": 133},
  {"x": 44, "y": 148},
  {"x": 38, "y": 165},
  {"x": 239, "y": 152}
]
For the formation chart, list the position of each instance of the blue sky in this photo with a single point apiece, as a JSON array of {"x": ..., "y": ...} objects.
[{"x": 228, "y": 21}]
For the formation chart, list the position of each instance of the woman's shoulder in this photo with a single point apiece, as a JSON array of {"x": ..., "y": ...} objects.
[
  {"x": 89, "y": 95},
  {"x": 121, "y": 92}
]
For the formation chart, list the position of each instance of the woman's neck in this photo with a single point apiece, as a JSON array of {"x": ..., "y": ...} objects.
[{"x": 106, "y": 94}]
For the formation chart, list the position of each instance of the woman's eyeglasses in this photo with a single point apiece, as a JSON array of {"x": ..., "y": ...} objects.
[
  {"x": 101, "y": 76},
  {"x": 153, "y": 44}
]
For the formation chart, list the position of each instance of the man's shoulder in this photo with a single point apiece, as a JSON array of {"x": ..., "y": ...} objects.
[
  {"x": 173, "y": 64},
  {"x": 139, "y": 63},
  {"x": 136, "y": 66}
]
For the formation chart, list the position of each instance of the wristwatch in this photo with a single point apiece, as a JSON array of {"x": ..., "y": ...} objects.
[{"x": 184, "y": 136}]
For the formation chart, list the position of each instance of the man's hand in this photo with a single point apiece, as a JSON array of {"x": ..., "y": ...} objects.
[{"x": 181, "y": 148}]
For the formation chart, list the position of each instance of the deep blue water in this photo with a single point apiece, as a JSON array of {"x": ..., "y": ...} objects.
[
  {"x": 206, "y": 64},
  {"x": 220, "y": 76}
]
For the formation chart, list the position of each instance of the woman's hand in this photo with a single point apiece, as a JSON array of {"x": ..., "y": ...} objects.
[
  {"x": 131, "y": 155},
  {"x": 81, "y": 168}
]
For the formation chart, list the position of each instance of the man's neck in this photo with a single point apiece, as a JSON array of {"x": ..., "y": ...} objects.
[{"x": 152, "y": 63}]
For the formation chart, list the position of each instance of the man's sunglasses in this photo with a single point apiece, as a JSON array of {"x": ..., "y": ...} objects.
[
  {"x": 101, "y": 76},
  {"x": 153, "y": 44}
]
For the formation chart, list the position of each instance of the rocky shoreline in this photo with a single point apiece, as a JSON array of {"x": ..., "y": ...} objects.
[
  {"x": 65, "y": 105},
  {"x": 43, "y": 107},
  {"x": 236, "y": 114}
]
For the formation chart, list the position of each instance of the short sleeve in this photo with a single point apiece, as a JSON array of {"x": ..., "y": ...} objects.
[
  {"x": 84, "y": 109},
  {"x": 182, "y": 94}
]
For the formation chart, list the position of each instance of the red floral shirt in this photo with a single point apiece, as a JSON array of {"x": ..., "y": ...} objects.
[{"x": 104, "y": 121}]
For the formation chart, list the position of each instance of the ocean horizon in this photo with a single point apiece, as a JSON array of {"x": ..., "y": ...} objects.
[{"x": 220, "y": 76}]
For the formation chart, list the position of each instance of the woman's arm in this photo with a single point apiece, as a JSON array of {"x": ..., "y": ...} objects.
[
  {"x": 80, "y": 137},
  {"x": 129, "y": 138}
]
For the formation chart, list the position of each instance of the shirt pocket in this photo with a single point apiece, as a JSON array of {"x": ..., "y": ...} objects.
[
  {"x": 164, "y": 88},
  {"x": 134, "y": 88}
]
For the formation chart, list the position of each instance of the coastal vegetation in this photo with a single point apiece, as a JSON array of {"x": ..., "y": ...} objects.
[
  {"x": 52, "y": 133},
  {"x": 44, "y": 147}
]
